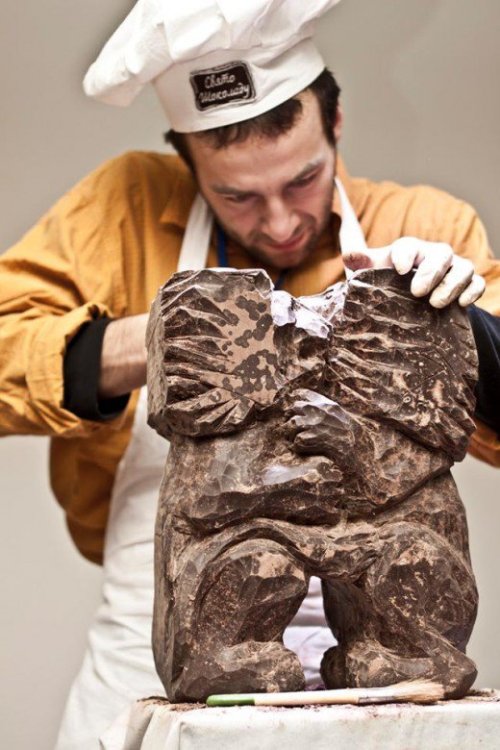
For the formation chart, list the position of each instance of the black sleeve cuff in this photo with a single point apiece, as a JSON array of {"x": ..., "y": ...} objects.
[
  {"x": 82, "y": 366},
  {"x": 486, "y": 330}
]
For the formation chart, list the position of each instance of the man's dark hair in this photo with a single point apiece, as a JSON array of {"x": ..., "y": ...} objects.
[{"x": 271, "y": 124}]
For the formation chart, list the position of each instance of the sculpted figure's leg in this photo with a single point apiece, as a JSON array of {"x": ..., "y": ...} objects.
[
  {"x": 232, "y": 604},
  {"x": 436, "y": 505},
  {"x": 414, "y": 611}
]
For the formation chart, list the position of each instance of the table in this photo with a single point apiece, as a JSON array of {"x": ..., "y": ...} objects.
[{"x": 154, "y": 724}]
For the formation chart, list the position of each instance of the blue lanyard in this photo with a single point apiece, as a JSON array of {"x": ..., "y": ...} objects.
[{"x": 222, "y": 256}]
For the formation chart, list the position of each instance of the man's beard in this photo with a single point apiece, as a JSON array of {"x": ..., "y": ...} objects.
[{"x": 314, "y": 230}]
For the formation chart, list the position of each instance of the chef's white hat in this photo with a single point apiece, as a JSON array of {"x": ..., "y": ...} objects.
[{"x": 212, "y": 62}]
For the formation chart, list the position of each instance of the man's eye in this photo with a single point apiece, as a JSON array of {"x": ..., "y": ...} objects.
[
  {"x": 238, "y": 198},
  {"x": 304, "y": 181}
]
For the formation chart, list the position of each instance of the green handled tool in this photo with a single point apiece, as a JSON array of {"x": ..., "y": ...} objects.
[{"x": 416, "y": 691}]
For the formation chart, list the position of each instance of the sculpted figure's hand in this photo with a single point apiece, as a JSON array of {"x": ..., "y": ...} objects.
[
  {"x": 439, "y": 271},
  {"x": 316, "y": 424}
]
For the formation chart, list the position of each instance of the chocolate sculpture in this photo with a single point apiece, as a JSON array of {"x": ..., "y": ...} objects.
[{"x": 309, "y": 436}]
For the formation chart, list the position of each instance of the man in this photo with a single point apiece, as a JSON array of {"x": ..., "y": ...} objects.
[{"x": 257, "y": 120}]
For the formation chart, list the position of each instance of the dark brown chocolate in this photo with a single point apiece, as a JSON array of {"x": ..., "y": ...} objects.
[{"x": 309, "y": 436}]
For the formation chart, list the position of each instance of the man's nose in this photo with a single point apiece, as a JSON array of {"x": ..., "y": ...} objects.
[{"x": 280, "y": 221}]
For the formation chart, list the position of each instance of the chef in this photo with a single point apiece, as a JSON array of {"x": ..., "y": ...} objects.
[{"x": 256, "y": 118}]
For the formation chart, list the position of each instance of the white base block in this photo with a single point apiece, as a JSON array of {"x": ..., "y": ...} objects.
[{"x": 470, "y": 723}]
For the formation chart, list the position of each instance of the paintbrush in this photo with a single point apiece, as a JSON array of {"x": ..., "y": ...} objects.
[{"x": 412, "y": 691}]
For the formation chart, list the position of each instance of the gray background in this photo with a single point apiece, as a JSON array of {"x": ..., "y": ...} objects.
[{"x": 420, "y": 81}]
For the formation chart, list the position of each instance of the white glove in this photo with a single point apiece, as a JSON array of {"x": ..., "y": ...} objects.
[{"x": 439, "y": 271}]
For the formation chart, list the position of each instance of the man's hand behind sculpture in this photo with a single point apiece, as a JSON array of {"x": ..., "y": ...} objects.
[{"x": 123, "y": 356}]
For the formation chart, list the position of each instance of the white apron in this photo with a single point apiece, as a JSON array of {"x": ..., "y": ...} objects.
[{"x": 118, "y": 666}]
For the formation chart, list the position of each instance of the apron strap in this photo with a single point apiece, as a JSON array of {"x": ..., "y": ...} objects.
[
  {"x": 351, "y": 235},
  {"x": 196, "y": 241}
]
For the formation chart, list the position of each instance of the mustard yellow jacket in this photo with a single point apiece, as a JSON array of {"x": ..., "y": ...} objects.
[{"x": 106, "y": 247}]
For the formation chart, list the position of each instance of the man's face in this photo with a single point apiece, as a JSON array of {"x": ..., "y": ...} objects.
[{"x": 273, "y": 196}]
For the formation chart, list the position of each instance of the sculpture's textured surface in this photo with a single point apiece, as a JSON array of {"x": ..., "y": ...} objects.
[{"x": 309, "y": 437}]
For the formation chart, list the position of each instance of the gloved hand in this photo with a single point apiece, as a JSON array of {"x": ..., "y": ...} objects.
[{"x": 439, "y": 271}]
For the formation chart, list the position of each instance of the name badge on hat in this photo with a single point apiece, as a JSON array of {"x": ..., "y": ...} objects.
[{"x": 223, "y": 85}]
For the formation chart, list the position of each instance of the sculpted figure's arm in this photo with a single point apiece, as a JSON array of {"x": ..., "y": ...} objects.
[
  {"x": 379, "y": 465},
  {"x": 211, "y": 363},
  {"x": 403, "y": 374}
]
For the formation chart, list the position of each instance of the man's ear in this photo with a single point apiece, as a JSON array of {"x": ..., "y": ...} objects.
[{"x": 339, "y": 121}]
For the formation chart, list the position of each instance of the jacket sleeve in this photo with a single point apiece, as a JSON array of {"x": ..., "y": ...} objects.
[
  {"x": 485, "y": 443},
  {"x": 61, "y": 275}
]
